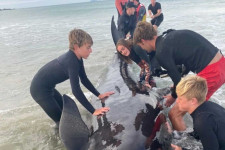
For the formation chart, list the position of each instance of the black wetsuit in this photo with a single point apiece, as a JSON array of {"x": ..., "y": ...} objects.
[
  {"x": 157, "y": 20},
  {"x": 141, "y": 53},
  {"x": 66, "y": 66},
  {"x": 136, "y": 57},
  {"x": 209, "y": 124},
  {"x": 126, "y": 24},
  {"x": 177, "y": 47},
  {"x": 149, "y": 58}
]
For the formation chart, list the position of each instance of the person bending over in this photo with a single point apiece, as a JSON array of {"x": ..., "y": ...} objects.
[
  {"x": 182, "y": 47},
  {"x": 208, "y": 117},
  {"x": 67, "y": 66},
  {"x": 126, "y": 51}
]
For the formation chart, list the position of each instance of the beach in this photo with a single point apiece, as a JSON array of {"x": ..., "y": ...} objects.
[{"x": 31, "y": 37}]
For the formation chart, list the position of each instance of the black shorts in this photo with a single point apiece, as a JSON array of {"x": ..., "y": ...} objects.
[{"x": 157, "y": 21}]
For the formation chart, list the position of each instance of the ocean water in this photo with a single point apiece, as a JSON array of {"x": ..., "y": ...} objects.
[{"x": 31, "y": 37}]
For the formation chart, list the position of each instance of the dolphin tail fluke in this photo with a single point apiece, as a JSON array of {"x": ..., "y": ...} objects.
[{"x": 73, "y": 131}]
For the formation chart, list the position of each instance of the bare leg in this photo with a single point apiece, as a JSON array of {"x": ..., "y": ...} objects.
[
  {"x": 176, "y": 118},
  {"x": 159, "y": 121},
  {"x": 155, "y": 27}
]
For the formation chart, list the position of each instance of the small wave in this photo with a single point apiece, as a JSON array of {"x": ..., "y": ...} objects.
[
  {"x": 17, "y": 109},
  {"x": 2, "y": 28}
]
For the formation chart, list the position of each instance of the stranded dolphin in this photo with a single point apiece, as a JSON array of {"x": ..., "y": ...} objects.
[
  {"x": 75, "y": 134},
  {"x": 116, "y": 129}
]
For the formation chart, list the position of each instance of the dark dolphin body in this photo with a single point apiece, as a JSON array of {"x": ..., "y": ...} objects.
[
  {"x": 105, "y": 135},
  {"x": 116, "y": 35},
  {"x": 124, "y": 126},
  {"x": 118, "y": 128}
]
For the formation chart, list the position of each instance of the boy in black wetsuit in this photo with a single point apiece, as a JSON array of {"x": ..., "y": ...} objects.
[
  {"x": 182, "y": 47},
  {"x": 208, "y": 117},
  {"x": 67, "y": 66},
  {"x": 155, "y": 12}
]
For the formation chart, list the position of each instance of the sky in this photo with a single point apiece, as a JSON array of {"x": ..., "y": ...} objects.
[{"x": 34, "y": 3}]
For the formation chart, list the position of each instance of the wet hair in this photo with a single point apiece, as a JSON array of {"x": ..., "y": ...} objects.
[
  {"x": 128, "y": 44},
  {"x": 192, "y": 86},
  {"x": 79, "y": 37},
  {"x": 130, "y": 5},
  {"x": 143, "y": 30}
]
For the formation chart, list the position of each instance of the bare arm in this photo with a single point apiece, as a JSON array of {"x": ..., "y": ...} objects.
[
  {"x": 145, "y": 68},
  {"x": 158, "y": 13},
  {"x": 150, "y": 13}
]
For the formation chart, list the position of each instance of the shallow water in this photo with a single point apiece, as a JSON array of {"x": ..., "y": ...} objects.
[{"x": 33, "y": 36}]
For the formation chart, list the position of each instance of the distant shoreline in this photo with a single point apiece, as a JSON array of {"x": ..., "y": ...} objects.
[{"x": 6, "y": 9}]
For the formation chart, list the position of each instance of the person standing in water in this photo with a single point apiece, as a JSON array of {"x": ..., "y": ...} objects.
[
  {"x": 155, "y": 12},
  {"x": 182, "y": 47},
  {"x": 67, "y": 66}
]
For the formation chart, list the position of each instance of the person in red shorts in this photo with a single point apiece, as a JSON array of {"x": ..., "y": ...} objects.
[{"x": 182, "y": 47}]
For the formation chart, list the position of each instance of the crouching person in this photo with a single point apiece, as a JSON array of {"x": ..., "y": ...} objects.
[{"x": 208, "y": 117}]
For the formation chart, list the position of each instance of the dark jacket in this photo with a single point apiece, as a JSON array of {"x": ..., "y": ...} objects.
[{"x": 127, "y": 24}]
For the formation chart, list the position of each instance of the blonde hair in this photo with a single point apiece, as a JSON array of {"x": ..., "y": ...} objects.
[
  {"x": 79, "y": 37},
  {"x": 143, "y": 30},
  {"x": 192, "y": 86}
]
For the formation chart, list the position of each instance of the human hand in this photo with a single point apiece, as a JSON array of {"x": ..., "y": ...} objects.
[
  {"x": 158, "y": 105},
  {"x": 169, "y": 128},
  {"x": 169, "y": 100},
  {"x": 105, "y": 95},
  {"x": 101, "y": 111},
  {"x": 148, "y": 142},
  {"x": 148, "y": 85},
  {"x": 152, "y": 16},
  {"x": 128, "y": 36},
  {"x": 175, "y": 147}
]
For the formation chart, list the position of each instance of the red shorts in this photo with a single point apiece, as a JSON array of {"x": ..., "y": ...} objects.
[{"x": 214, "y": 75}]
